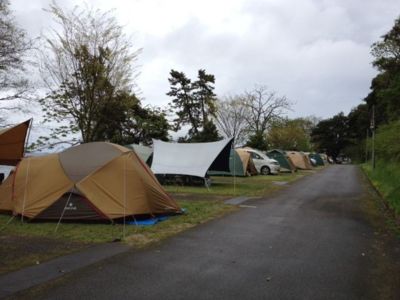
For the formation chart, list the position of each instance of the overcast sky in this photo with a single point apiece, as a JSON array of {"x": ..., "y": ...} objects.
[{"x": 316, "y": 52}]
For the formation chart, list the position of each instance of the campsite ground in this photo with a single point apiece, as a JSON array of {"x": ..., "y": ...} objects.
[
  {"x": 324, "y": 237},
  {"x": 24, "y": 244}
]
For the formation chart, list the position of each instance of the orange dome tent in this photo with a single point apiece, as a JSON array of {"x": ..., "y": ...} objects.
[{"x": 91, "y": 181}]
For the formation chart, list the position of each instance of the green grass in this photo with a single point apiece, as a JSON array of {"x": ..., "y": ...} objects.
[
  {"x": 254, "y": 186},
  {"x": 385, "y": 178},
  {"x": 197, "y": 212}
]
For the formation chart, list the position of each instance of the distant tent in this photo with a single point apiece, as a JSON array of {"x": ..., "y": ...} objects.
[
  {"x": 12, "y": 143},
  {"x": 284, "y": 161},
  {"x": 191, "y": 159},
  {"x": 317, "y": 158},
  {"x": 240, "y": 164},
  {"x": 312, "y": 161},
  {"x": 300, "y": 160},
  {"x": 307, "y": 159},
  {"x": 94, "y": 181},
  {"x": 324, "y": 158},
  {"x": 144, "y": 152}
]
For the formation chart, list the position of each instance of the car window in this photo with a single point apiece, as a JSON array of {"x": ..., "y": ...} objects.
[{"x": 255, "y": 155}]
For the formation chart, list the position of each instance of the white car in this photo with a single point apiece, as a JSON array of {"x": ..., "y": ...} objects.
[{"x": 263, "y": 163}]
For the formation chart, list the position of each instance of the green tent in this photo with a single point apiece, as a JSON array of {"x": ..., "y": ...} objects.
[
  {"x": 284, "y": 161},
  {"x": 235, "y": 166},
  {"x": 318, "y": 159}
]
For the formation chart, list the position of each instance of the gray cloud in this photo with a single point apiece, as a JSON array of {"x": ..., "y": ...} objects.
[{"x": 316, "y": 52}]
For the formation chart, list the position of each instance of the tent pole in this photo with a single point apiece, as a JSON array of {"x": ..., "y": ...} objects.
[
  {"x": 234, "y": 170},
  {"x": 366, "y": 147},
  {"x": 62, "y": 214},
  {"x": 26, "y": 187}
]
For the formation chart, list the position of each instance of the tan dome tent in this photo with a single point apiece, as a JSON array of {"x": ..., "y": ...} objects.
[
  {"x": 91, "y": 181},
  {"x": 12, "y": 143},
  {"x": 247, "y": 162},
  {"x": 300, "y": 160}
]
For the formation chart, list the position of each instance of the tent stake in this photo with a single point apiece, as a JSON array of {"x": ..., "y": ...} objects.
[{"x": 8, "y": 222}]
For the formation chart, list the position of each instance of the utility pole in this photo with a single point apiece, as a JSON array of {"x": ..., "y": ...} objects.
[
  {"x": 373, "y": 137},
  {"x": 366, "y": 147}
]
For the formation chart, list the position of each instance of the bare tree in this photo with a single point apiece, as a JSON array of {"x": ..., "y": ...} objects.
[
  {"x": 86, "y": 63},
  {"x": 14, "y": 48},
  {"x": 231, "y": 118},
  {"x": 264, "y": 106},
  {"x": 247, "y": 116}
]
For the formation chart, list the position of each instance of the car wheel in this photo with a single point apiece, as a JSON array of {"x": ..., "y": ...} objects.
[{"x": 265, "y": 170}]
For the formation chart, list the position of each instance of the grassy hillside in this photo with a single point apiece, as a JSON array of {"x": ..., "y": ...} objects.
[{"x": 386, "y": 178}]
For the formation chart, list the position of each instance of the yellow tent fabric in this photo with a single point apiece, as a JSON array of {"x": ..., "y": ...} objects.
[
  {"x": 39, "y": 182},
  {"x": 292, "y": 165},
  {"x": 12, "y": 143},
  {"x": 128, "y": 192},
  {"x": 117, "y": 184}
]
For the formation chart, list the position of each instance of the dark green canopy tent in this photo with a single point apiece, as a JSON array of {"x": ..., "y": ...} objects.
[
  {"x": 283, "y": 160},
  {"x": 235, "y": 166},
  {"x": 318, "y": 159}
]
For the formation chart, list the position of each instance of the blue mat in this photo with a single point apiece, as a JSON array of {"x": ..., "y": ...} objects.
[
  {"x": 152, "y": 221},
  {"x": 145, "y": 222}
]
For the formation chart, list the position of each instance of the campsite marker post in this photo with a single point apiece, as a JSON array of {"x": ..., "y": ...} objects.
[
  {"x": 123, "y": 233},
  {"x": 234, "y": 170}
]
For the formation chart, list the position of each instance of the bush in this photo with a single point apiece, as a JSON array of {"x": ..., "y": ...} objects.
[{"x": 387, "y": 142}]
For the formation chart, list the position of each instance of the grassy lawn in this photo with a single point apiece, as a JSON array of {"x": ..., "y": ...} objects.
[
  {"x": 196, "y": 212},
  {"x": 385, "y": 178},
  {"x": 254, "y": 186}
]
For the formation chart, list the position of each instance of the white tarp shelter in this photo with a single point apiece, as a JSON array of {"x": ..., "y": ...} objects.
[{"x": 193, "y": 159}]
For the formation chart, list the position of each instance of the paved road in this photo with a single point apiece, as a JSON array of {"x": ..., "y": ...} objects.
[{"x": 314, "y": 240}]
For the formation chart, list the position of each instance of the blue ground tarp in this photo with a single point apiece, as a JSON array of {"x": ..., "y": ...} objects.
[
  {"x": 148, "y": 222},
  {"x": 151, "y": 220}
]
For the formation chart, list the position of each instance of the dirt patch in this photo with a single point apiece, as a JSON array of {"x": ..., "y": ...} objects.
[{"x": 17, "y": 252}]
